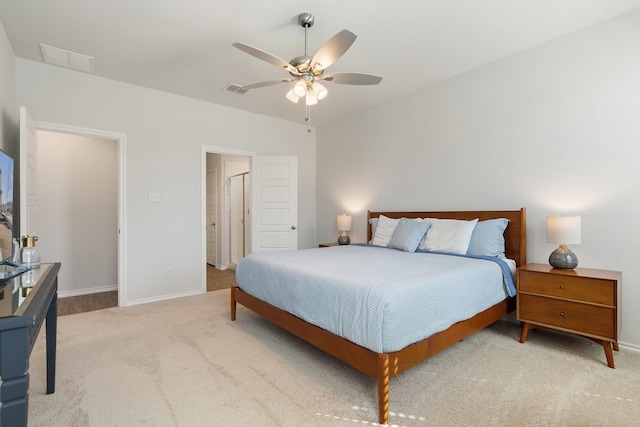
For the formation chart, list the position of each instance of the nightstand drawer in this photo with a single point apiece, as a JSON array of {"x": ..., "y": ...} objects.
[
  {"x": 562, "y": 286},
  {"x": 571, "y": 316}
]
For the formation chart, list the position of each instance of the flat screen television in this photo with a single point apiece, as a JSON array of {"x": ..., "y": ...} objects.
[
  {"x": 8, "y": 270},
  {"x": 6, "y": 207}
]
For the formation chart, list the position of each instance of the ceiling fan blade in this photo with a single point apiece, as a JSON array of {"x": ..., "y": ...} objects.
[
  {"x": 265, "y": 56},
  {"x": 265, "y": 84},
  {"x": 352, "y": 79},
  {"x": 333, "y": 49}
]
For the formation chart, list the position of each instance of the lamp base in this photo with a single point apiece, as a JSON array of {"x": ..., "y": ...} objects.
[
  {"x": 563, "y": 258},
  {"x": 344, "y": 238}
]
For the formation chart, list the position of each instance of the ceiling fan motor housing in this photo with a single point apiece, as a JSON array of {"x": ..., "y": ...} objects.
[
  {"x": 303, "y": 65},
  {"x": 306, "y": 20}
]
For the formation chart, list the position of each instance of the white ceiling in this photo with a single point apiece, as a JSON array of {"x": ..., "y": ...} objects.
[{"x": 184, "y": 46}]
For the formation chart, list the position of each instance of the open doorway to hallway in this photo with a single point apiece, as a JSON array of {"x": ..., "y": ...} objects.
[
  {"x": 77, "y": 197},
  {"x": 228, "y": 221}
]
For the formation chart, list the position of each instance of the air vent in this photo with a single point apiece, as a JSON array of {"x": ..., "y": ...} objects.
[
  {"x": 65, "y": 58},
  {"x": 236, "y": 89}
]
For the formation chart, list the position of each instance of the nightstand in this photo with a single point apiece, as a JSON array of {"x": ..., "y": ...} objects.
[
  {"x": 327, "y": 245},
  {"x": 582, "y": 301}
]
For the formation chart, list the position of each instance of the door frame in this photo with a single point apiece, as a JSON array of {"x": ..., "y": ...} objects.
[
  {"x": 121, "y": 140},
  {"x": 206, "y": 149}
]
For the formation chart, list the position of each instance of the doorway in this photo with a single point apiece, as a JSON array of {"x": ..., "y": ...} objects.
[
  {"x": 227, "y": 224},
  {"x": 77, "y": 224},
  {"x": 115, "y": 144}
]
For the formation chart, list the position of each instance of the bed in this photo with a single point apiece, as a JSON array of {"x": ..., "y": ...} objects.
[{"x": 386, "y": 357}]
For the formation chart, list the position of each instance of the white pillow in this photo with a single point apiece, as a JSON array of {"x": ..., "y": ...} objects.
[
  {"x": 448, "y": 235},
  {"x": 384, "y": 231}
]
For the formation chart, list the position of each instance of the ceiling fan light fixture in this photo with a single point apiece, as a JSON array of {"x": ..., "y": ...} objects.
[
  {"x": 300, "y": 88},
  {"x": 320, "y": 91},
  {"x": 307, "y": 70},
  {"x": 291, "y": 96},
  {"x": 311, "y": 98}
]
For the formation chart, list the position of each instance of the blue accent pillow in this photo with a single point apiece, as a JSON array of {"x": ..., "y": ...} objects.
[
  {"x": 408, "y": 234},
  {"x": 487, "y": 238}
]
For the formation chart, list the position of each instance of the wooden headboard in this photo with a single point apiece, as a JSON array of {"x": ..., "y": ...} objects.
[{"x": 515, "y": 236}]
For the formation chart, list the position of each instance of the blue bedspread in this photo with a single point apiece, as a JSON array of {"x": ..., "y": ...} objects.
[{"x": 379, "y": 298}]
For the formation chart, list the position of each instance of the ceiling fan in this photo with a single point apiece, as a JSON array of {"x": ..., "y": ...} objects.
[{"x": 307, "y": 71}]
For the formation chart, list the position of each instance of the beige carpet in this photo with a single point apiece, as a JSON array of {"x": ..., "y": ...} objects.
[{"x": 184, "y": 363}]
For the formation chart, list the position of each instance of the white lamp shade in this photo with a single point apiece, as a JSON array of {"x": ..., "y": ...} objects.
[
  {"x": 291, "y": 96},
  {"x": 344, "y": 222},
  {"x": 320, "y": 91},
  {"x": 564, "y": 230},
  {"x": 300, "y": 88},
  {"x": 311, "y": 98}
]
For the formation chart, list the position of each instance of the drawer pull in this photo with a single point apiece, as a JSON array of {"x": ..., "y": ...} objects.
[
  {"x": 561, "y": 286},
  {"x": 562, "y": 314}
]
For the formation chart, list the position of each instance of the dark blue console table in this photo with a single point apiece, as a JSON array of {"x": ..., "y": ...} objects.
[{"x": 25, "y": 302}]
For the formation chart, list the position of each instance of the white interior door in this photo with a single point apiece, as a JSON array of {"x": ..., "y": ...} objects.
[
  {"x": 236, "y": 219},
  {"x": 247, "y": 214},
  {"x": 212, "y": 181},
  {"x": 275, "y": 203},
  {"x": 28, "y": 174}
]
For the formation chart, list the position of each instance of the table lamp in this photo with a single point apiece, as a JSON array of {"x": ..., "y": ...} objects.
[
  {"x": 344, "y": 224},
  {"x": 564, "y": 230}
]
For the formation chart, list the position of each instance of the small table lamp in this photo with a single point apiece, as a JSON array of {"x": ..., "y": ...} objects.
[
  {"x": 344, "y": 224},
  {"x": 564, "y": 230}
]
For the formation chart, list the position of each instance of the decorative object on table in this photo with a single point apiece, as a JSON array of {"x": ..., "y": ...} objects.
[
  {"x": 30, "y": 255},
  {"x": 564, "y": 230},
  {"x": 344, "y": 224},
  {"x": 17, "y": 252}
]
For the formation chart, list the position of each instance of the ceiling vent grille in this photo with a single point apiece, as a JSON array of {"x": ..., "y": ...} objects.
[
  {"x": 65, "y": 58},
  {"x": 236, "y": 89}
]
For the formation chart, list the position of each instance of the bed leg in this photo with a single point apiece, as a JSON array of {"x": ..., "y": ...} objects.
[
  {"x": 383, "y": 388},
  {"x": 233, "y": 303}
]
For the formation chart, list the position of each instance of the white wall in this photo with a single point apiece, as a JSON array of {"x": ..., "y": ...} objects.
[
  {"x": 555, "y": 129},
  {"x": 77, "y": 193},
  {"x": 165, "y": 134}
]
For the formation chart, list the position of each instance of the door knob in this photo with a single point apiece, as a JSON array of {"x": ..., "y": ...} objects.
[{"x": 293, "y": 227}]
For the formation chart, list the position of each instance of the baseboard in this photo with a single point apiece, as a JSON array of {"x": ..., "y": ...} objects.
[
  {"x": 164, "y": 298},
  {"x": 627, "y": 346},
  {"x": 79, "y": 292}
]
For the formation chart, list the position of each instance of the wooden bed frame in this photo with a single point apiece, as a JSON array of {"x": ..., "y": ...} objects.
[{"x": 383, "y": 366}]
